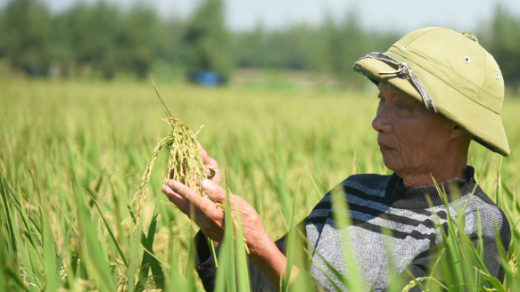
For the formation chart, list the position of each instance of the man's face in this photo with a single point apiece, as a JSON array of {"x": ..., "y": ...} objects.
[{"x": 411, "y": 138}]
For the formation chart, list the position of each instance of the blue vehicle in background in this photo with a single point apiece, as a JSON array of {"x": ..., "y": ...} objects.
[{"x": 206, "y": 78}]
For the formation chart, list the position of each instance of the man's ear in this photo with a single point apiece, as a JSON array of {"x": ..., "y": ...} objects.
[{"x": 457, "y": 131}]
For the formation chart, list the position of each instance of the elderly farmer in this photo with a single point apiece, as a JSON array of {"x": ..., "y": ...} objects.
[{"x": 438, "y": 90}]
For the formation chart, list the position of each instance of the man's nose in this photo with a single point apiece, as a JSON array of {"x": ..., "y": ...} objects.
[{"x": 381, "y": 122}]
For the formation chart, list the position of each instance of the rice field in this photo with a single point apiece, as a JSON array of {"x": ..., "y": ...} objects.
[{"x": 72, "y": 154}]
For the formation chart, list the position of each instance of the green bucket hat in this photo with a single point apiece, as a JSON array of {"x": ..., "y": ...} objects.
[{"x": 451, "y": 74}]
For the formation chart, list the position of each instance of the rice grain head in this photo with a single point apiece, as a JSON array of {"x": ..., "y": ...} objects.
[{"x": 184, "y": 159}]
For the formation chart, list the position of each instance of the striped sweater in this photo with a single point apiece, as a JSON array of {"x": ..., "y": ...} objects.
[{"x": 377, "y": 203}]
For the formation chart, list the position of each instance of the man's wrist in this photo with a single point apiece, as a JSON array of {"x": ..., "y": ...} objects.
[{"x": 269, "y": 259}]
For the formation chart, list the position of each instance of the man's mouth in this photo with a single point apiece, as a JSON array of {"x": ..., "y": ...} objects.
[{"x": 383, "y": 147}]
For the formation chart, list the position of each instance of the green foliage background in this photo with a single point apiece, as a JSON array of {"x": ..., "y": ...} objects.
[{"x": 100, "y": 40}]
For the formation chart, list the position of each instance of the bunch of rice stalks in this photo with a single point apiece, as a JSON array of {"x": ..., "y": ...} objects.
[{"x": 184, "y": 162}]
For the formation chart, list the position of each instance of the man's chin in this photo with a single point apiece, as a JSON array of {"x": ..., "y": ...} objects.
[{"x": 391, "y": 163}]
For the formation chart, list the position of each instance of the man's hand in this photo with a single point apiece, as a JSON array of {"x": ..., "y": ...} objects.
[
  {"x": 210, "y": 218},
  {"x": 210, "y": 164}
]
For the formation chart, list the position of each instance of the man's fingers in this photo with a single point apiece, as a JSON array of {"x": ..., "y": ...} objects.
[
  {"x": 210, "y": 163},
  {"x": 214, "y": 191},
  {"x": 210, "y": 166},
  {"x": 206, "y": 159},
  {"x": 175, "y": 198},
  {"x": 191, "y": 196},
  {"x": 202, "y": 151},
  {"x": 212, "y": 170},
  {"x": 183, "y": 190}
]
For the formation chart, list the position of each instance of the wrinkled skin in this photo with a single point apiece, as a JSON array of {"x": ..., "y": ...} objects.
[{"x": 416, "y": 143}]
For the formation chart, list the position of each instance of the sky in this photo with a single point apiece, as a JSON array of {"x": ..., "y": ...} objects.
[{"x": 382, "y": 15}]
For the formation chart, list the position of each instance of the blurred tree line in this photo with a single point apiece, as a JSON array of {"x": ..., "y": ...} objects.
[{"x": 102, "y": 39}]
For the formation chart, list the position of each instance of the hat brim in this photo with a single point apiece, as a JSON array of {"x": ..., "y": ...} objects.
[{"x": 485, "y": 125}]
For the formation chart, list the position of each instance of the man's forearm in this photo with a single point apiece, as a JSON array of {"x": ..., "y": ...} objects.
[{"x": 271, "y": 261}]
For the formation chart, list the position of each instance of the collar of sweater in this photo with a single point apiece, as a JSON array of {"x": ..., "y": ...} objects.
[{"x": 399, "y": 196}]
